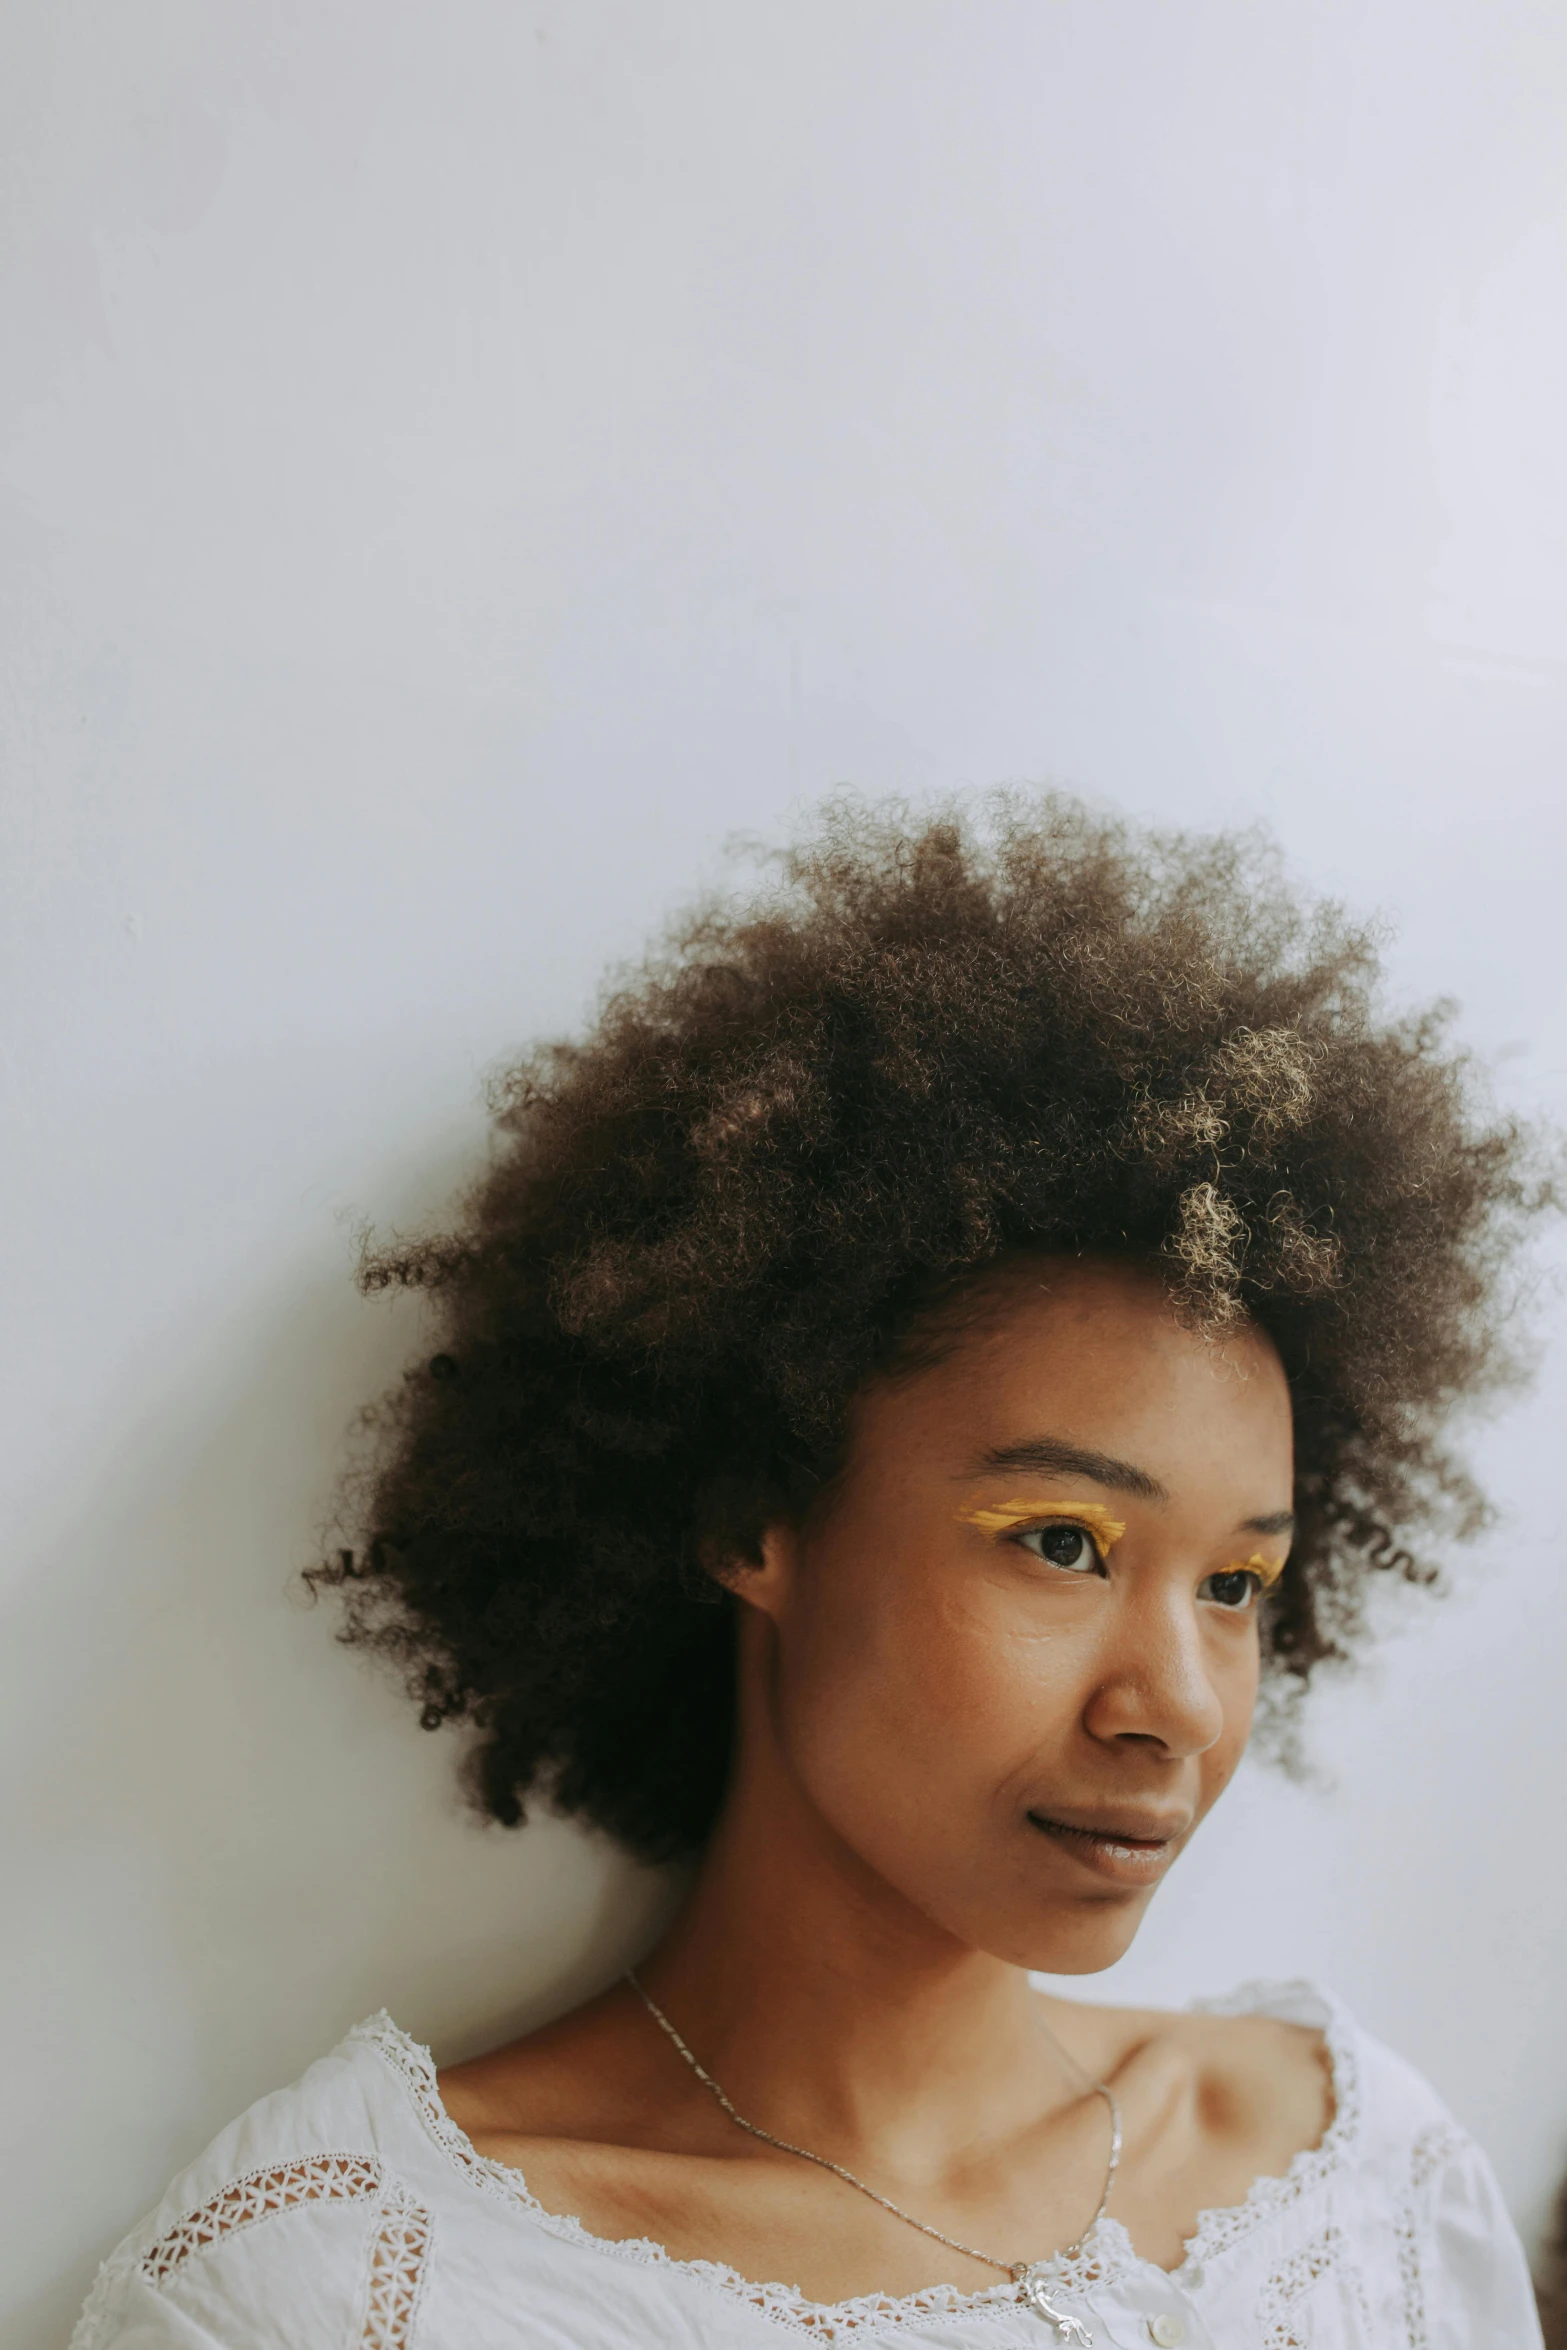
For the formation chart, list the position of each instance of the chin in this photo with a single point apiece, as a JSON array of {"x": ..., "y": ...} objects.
[{"x": 1081, "y": 1944}]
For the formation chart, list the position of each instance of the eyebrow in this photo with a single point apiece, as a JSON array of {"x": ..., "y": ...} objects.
[
  {"x": 1052, "y": 1456},
  {"x": 1048, "y": 1456}
]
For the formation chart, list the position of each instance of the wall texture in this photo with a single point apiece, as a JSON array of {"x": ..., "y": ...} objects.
[{"x": 460, "y": 465}]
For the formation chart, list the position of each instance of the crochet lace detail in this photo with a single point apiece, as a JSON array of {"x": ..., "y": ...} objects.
[
  {"x": 1104, "y": 2255},
  {"x": 1281, "y": 2294},
  {"x": 1218, "y": 2230},
  {"x": 259, "y": 2195},
  {"x": 397, "y": 2270},
  {"x": 397, "y": 2250},
  {"x": 1431, "y": 2149}
]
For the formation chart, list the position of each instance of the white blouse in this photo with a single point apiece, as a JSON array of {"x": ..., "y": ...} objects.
[{"x": 350, "y": 2213}]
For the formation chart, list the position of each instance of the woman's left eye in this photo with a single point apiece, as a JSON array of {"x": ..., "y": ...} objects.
[
  {"x": 1063, "y": 1544},
  {"x": 1233, "y": 1587}
]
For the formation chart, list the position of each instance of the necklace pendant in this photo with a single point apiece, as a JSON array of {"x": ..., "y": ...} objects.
[{"x": 1036, "y": 2293}]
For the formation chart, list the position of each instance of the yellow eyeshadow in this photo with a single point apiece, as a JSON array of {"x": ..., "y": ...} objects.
[
  {"x": 1095, "y": 1520},
  {"x": 1267, "y": 1571}
]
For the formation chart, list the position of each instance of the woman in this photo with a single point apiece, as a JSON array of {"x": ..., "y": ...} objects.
[{"x": 953, "y": 1332}]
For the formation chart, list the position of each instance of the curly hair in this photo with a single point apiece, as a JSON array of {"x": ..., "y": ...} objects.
[{"x": 794, "y": 1135}]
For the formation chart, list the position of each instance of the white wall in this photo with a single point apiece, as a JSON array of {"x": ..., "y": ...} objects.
[{"x": 463, "y": 462}]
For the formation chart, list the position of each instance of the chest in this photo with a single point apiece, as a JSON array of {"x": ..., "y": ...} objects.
[
  {"x": 765, "y": 2213},
  {"x": 1299, "y": 2277}
]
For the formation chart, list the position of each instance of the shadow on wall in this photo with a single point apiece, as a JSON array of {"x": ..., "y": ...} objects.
[{"x": 226, "y": 1838}]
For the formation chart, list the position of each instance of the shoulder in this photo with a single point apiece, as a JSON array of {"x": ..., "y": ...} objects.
[
  {"x": 592, "y": 2074},
  {"x": 1292, "y": 2034},
  {"x": 1285, "y": 2072},
  {"x": 1392, "y": 2196},
  {"x": 1419, "y": 2175},
  {"x": 1263, "y": 2067},
  {"x": 1385, "y": 2110},
  {"x": 321, "y": 2163},
  {"x": 352, "y": 2208},
  {"x": 1393, "y": 2183}
]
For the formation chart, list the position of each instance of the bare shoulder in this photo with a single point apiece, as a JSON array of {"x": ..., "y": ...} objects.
[
  {"x": 583, "y": 2077},
  {"x": 1254, "y": 2083}
]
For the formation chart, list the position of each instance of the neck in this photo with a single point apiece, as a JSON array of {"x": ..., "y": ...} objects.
[{"x": 829, "y": 2007}]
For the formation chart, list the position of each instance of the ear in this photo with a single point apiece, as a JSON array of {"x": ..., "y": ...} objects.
[{"x": 766, "y": 1581}]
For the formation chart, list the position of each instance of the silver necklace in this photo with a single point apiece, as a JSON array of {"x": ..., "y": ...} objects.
[{"x": 1029, "y": 2276}]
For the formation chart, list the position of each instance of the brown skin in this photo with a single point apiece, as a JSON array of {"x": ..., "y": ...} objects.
[{"x": 919, "y": 1698}]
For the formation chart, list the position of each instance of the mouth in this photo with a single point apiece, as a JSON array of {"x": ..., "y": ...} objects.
[{"x": 1129, "y": 1851}]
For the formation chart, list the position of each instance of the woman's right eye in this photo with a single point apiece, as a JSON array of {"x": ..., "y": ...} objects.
[{"x": 1063, "y": 1544}]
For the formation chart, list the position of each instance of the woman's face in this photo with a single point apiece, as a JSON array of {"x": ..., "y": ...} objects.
[{"x": 1013, "y": 1713}]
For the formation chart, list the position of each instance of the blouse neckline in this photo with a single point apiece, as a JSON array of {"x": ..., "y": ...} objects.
[{"x": 1105, "y": 2254}]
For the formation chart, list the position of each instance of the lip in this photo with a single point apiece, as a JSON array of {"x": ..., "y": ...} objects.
[{"x": 1130, "y": 1848}]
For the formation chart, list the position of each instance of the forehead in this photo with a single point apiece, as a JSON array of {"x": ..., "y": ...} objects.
[{"x": 1093, "y": 1353}]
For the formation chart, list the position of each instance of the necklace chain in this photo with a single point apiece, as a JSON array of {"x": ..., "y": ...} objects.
[{"x": 1022, "y": 2271}]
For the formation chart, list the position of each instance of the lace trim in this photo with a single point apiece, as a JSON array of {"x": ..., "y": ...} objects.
[
  {"x": 395, "y": 2276},
  {"x": 1291, "y": 2284},
  {"x": 397, "y": 2273},
  {"x": 1431, "y": 2149},
  {"x": 1220, "y": 2229},
  {"x": 259, "y": 2195},
  {"x": 103, "y": 2295},
  {"x": 1104, "y": 2257}
]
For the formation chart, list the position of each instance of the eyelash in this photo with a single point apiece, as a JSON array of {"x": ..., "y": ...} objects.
[
  {"x": 1025, "y": 1535},
  {"x": 1058, "y": 1525},
  {"x": 1254, "y": 1579}
]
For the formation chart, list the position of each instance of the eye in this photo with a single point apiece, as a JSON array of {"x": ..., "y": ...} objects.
[
  {"x": 1063, "y": 1544},
  {"x": 1234, "y": 1588}
]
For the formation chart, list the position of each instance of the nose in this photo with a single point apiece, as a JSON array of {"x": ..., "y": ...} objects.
[{"x": 1156, "y": 1686}]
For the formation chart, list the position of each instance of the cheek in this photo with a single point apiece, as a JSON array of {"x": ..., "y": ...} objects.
[{"x": 914, "y": 1694}]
